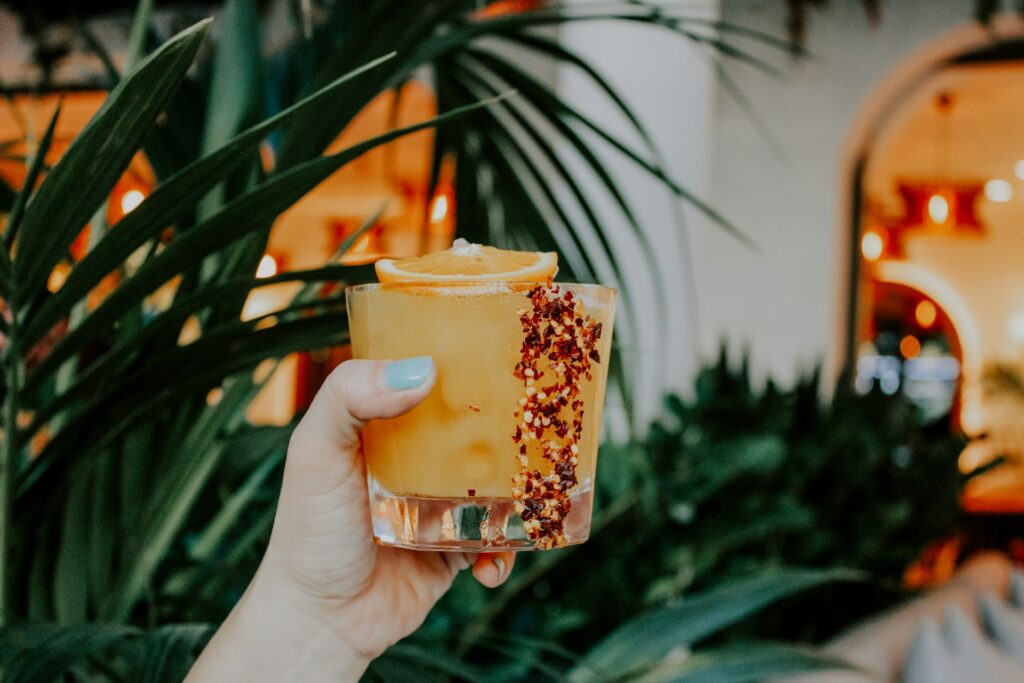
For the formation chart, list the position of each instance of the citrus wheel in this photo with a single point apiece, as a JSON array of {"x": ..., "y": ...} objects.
[{"x": 466, "y": 262}]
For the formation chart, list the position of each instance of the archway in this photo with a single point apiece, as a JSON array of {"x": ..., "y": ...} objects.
[{"x": 902, "y": 170}]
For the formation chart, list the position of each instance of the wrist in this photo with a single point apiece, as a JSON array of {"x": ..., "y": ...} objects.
[
  {"x": 274, "y": 634},
  {"x": 315, "y": 632}
]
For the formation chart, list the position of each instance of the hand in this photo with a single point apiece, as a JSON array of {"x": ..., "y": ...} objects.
[{"x": 326, "y": 598}]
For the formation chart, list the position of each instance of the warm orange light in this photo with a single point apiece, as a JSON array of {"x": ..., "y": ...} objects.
[
  {"x": 131, "y": 199},
  {"x": 267, "y": 267},
  {"x": 57, "y": 276},
  {"x": 494, "y": 9},
  {"x": 439, "y": 208},
  {"x": 998, "y": 190},
  {"x": 938, "y": 209},
  {"x": 910, "y": 346},
  {"x": 872, "y": 245},
  {"x": 925, "y": 314},
  {"x": 362, "y": 246}
]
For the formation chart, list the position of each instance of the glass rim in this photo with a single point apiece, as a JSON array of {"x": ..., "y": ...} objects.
[{"x": 513, "y": 285}]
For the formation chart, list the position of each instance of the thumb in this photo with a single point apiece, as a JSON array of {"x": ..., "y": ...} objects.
[
  {"x": 361, "y": 390},
  {"x": 322, "y": 527}
]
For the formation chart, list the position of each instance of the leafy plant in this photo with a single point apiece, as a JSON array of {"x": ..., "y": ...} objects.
[
  {"x": 657, "y": 646},
  {"x": 115, "y": 402},
  {"x": 123, "y": 398},
  {"x": 734, "y": 481},
  {"x": 129, "y": 493}
]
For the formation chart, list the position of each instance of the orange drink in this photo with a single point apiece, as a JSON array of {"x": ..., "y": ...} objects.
[{"x": 502, "y": 453}]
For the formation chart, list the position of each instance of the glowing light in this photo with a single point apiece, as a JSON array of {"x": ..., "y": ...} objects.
[
  {"x": 438, "y": 208},
  {"x": 1018, "y": 169},
  {"x": 972, "y": 417},
  {"x": 871, "y": 245},
  {"x": 57, "y": 276},
  {"x": 131, "y": 199},
  {"x": 938, "y": 209},
  {"x": 1015, "y": 327},
  {"x": 191, "y": 329},
  {"x": 267, "y": 267},
  {"x": 925, "y": 314},
  {"x": 910, "y": 346},
  {"x": 259, "y": 303},
  {"x": 264, "y": 370},
  {"x": 998, "y": 190}
]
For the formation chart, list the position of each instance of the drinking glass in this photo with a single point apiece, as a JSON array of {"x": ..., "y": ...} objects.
[{"x": 457, "y": 472}]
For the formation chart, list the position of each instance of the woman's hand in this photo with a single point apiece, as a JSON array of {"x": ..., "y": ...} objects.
[{"x": 327, "y": 599}]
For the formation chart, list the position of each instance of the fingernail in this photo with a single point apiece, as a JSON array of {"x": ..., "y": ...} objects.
[
  {"x": 500, "y": 564},
  {"x": 408, "y": 373}
]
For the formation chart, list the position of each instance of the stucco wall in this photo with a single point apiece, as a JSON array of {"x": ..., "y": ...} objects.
[{"x": 782, "y": 303}]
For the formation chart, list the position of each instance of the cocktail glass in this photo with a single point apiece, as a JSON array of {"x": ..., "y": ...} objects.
[{"x": 458, "y": 472}]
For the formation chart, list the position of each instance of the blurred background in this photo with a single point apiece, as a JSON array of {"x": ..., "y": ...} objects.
[{"x": 824, "y": 361}]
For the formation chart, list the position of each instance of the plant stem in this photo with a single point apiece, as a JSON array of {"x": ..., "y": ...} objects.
[{"x": 8, "y": 471}]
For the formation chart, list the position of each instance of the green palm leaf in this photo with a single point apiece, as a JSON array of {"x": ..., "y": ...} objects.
[
  {"x": 750, "y": 662},
  {"x": 249, "y": 212},
  {"x": 88, "y": 170},
  {"x": 637, "y": 644},
  {"x": 170, "y": 201}
]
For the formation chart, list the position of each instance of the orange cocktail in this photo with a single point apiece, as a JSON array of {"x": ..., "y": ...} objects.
[{"x": 502, "y": 452}]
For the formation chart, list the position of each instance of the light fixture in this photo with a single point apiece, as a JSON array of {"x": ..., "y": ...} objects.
[
  {"x": 939, "y": 206},
  {"x": 938, "y": 209},
  {"x": 925, "y": 313},
  {"x": 872, "y": 245},
  {"x": 938, "y": 203},
  {"x": 57, "y": 276},
  {"x": 131, "y": 199},
  {"x": 998, "y": 190},
  {"x": 439, "y": 208},
  {"x": 267, "y": 267},
  {"x": 1018, "y": 169},
  {"x": 1015, "y": 327},
  {"x": 910, "y": 346}
]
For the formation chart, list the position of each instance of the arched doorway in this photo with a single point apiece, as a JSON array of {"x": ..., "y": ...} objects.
[
  {"x": 912, "y": 344},
  {"x": 933, "y": 198}
]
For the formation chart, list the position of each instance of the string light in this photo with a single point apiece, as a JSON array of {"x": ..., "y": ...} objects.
[
  {"x": 131, "y": 199},
  {"x": 871, "y": 245},
  {"x": 998, "y": 190},
  {"x": 925, "y": 313},
  {"x": 938, "y": 209},
  {"x": 439, "y": 208},
  {"x": 910, "y": 346},
  {"x": 267, "y": 267}
]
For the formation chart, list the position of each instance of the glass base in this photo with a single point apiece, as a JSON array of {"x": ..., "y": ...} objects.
[{"x": 475, "y": 524}]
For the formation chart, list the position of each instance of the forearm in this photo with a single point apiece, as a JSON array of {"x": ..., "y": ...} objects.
[{"x": 266, "y": 638}]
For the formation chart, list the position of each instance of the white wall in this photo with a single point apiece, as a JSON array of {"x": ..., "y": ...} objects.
[
  {"x": 782, "y": 303},
  {"x": 670, "y": 85}
]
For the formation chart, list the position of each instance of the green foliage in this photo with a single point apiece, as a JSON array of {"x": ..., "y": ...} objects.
[
  {"x": 654, "y": 647},
  {"x": 129, "y": 500},
  {"x": 734, "y": 481},
  {"x": 649, "y": 638},
  {"x": 812, "y": 483}
]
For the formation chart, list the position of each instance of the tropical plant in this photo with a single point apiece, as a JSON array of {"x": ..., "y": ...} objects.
[
  {"x": 735, "y": 480},
  {"x": 119, "y": 379},
  {"x": 129, "y": 493},
  {"x": 658, "y": 646}
]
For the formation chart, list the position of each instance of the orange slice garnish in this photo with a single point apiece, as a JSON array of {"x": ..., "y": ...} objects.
[{"x": 466, "y": 262}]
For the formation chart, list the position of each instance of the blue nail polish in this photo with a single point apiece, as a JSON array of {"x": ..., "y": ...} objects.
[{"x": 408, "y": 373}]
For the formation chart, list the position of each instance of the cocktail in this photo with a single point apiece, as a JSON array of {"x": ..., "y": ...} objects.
[{"x": 501, "y": 455}]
